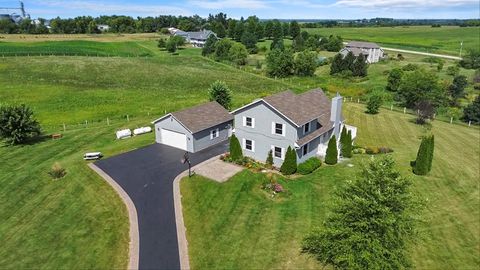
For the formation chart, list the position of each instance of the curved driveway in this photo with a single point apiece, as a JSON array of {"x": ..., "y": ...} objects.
[{"x": 147, "y": 175}]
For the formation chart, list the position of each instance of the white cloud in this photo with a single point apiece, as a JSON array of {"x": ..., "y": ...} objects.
[
  {"x": 228, "y": 4},
  {"x": 114, "y": 8}
]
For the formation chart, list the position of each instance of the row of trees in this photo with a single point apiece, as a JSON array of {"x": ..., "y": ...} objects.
[
  {"x": 349, "y": 65},
  {"x": 225, "y": 50},
  {"x": 283, "y": 63}
]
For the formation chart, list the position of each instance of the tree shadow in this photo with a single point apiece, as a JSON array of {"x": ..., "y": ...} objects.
[{"x": 31, "y": 141}]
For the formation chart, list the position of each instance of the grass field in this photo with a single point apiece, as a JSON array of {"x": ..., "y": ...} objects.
[
  {"x": 445, "y": 39},
  {"x": 235, "y": 225},
  {"x": 79, "y": 222},
  {"x": 75, "y": 47}
]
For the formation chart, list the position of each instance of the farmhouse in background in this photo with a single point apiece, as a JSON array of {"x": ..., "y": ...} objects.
[
  {"x": 371, "y": 51},
  {"x": 103, "y": 27},
  {"x": 305, "y": 122},
  {"x": 197, "y": 39},
  {"x": 195, "y": 128}
]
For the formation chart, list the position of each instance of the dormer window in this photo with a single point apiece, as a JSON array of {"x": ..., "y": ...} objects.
[{"x": 306, "y": 128}]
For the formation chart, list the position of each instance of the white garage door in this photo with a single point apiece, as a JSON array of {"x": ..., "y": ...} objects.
[{"x": 174, "y": 139}]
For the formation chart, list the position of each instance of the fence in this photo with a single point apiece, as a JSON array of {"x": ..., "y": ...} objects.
[
  {"x": 404, "y": 110},
  {"x": 28, "y": 54}
]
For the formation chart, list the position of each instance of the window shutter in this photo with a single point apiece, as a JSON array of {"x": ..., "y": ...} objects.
[
  {"x": 283, "y": 129},
  {"x": 218, "y": 133},
  {"x": 211, "y": 134},
  {"x": 244, "y": 121},
  {"x": 273, "y": 127},
  {"x": 243, "y": 143},
  {"x": 253, "y": 122},
  {"x": 253, "y": 146}
]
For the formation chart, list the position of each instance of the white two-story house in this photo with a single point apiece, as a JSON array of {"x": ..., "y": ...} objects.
[{"x": 305, "y": 122}]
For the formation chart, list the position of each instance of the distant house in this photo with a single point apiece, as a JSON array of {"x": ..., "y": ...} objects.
[
  {"x": 195, "y": 128},
  {"x": 103, "y": 27},
  {"x": 371, "y": 51},
  {"x": 197, "y": 39},
  {"x": 305, "y": 122}
]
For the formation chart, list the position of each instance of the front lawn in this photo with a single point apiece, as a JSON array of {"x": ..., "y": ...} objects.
[{"x": 236, "y": 225}]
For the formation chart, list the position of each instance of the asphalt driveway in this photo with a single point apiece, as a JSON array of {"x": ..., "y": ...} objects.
[{"x": 147, "y": 175}]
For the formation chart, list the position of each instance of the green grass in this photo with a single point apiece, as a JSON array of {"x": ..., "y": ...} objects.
[
  {"x": 236, "y": 225},
  {"x": 77, "y": 222},
  {"x": 445, "y": 39},
  {"x": 77, "y": 47}
]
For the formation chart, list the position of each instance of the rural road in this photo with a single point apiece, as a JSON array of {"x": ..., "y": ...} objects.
[{"x": 423, "y": 53}]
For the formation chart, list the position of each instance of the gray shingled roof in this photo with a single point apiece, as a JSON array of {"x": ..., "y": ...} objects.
[
  {"x": 301, "y": 108},
  {"x": 362, "y": 44},
  {"x": 324, "y": 120},
  {"x": 200, "y": 35},
  {"x": 202, "y": 116},
  {"x": 357, "y": 51}
]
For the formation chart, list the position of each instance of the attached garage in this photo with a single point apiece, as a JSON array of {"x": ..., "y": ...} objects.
[{"x": 195, "y": 128}]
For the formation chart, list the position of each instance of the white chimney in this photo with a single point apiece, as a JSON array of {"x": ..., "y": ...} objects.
[{"x": 336, "y": 114}]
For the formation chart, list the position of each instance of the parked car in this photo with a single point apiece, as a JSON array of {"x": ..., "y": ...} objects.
[{"x": 92, "y": 155}]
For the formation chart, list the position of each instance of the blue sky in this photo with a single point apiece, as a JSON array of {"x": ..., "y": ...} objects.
[{"x": 265, "y": 9}]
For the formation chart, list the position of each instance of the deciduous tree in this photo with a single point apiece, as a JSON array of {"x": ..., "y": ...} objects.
[{"x": 17, "y": 124}]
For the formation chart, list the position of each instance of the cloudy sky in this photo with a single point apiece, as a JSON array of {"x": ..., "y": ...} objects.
[{"x": 265, "y": 9}]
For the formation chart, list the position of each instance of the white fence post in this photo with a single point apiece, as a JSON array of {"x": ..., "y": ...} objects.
[
  {"x": 64, "y": 128},
  {"x": 451, "y": 120},
  {"x": 434, "y": 115},
  {"x": 86, "y": 123},
  {"x": 128, "y": 119},
  {"x": 469, "y": 123},
  {"x": 391, "y": 107},
  {"x": 404, "y": 110},
  {"x": 108, "y": 122},
  {"x": 358, "y": 100}
]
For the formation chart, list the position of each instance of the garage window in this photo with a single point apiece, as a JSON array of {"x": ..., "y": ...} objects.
[{"x": 214, "y": 133}]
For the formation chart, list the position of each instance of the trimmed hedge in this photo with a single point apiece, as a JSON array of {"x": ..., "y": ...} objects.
[
  {"x": 309, "y": 166},
  {"x": 289, "y": 165}
]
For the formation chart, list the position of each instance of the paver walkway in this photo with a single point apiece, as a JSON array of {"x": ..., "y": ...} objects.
[{"x": 217, "y": 170}]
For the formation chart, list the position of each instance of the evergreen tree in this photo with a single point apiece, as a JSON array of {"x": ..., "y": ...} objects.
[
  {"x": 331, "y": 158},
  {"x": 343, "y": 141},
  {"x": 337, "y": 64},
  {"x": 472, "y": 111},
  {"x": 422, "y": 162},
  {"x": 220, "y": 93},
  {"x": 269, "y": 29},
  {"x": 349, "y": 145},
  {"x": 277, "y": 44},
  {"x": 371, "y": 224},
  {"x": 431, "y": 146},
  {"x": 348, "y": 62},
  {"x": 161, "y": 43},
  {"x": 235, "y": 148},
  {"x": 289, "y": 165},
  {"x": 375, "y": 100},
  {"x": 359, "y": 67},
  {"x": 269, "y": 161},
  {"x": 298, "y": 43},
  {"x": 250, "y": 42},
  {"x": 239, "y": 30},
  {"x": 277, "y": 31},
  {"x": 232, "y": 24}
]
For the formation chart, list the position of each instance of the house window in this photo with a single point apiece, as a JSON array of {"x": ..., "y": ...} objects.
[
  {"x": 249, "y": 145},
  {"x": 278, "y": 152},
  {"x": 306, "y": 128},
  {"x": 278, "y": 129},
  {"x": 214, "y": 133},
  {"x": 305, "y": 149},
  {"x": 249, "y": 122}
]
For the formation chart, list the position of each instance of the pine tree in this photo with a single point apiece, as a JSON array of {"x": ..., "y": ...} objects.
[
  {"x": 331, "y": 157},
  {"x": 289, "y": 165},
  {"x": 348, "y": 145},
  {"x": 235, "y": 148},
  {"x": 430, "y": 152},
  {"x": 270, "y": 158},
  {"x": 359, "y": 67},
  {"x": 337, "y": 64},
  {"x": 422, "y": 161},
  {"x": 348, "y": 61},
  {"x": 343, "y": 141}
]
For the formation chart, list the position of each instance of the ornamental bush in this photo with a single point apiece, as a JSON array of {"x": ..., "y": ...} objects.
[
  {"x": 309, "y": 166},
  {"x": 289, "y": 165},
  {"x": 57, "y": 171},
  {"x": 348, "y": 145},
  {"x": 423, "y": 163},
  {"x": 235, "y": 149},
  {"x": 269, "y": 161},
  {"x": 17, "y": 124},
  {"x": 331, "y": 158}
]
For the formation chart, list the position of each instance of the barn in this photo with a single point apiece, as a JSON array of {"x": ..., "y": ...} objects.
[{"x": 195, "y": 128}]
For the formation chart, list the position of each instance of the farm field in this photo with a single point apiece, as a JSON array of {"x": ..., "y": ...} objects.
[
  {"x": 443, "y": 40},
  {"x": 76, "y": 47},
  {"x": 85, "y": 222},
  {"x": 105, "y": 37},
  {"x": 236, "y": 225}
]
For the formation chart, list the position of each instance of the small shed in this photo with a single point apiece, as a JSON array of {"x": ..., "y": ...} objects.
[{"x": 195, "y": 128}]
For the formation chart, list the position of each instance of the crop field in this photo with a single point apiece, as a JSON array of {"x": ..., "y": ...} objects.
[
  {"x": 105, "y": 37},
  {"x": 445, "y": 39},
  {"x": 79, "y": 222},
  {"x": 236, "y": 225},
  {"x": 73, "y": 48}
]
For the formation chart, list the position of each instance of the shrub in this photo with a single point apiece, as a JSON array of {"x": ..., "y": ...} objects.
[
  {"x": 453, "y": 70},
  {"x": 57, "y": 171},
  {"x": 410, "y": 67},
  {"x": 374, "y": 102},
  {"x": 17, "y": 124},
  {"x": 235, "y": 148},
  {"x": 309, "y": 165},
  {"x": 289, "y": 165},
  {"x": 359, "y": 151},
  {"x": 373, "y": 150},
  {"x": 348, "y": 145},
  {"x": 269, "y": 159},
  {"x": 423, "y": 162},
  {"x": 331, "y": 157}
]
